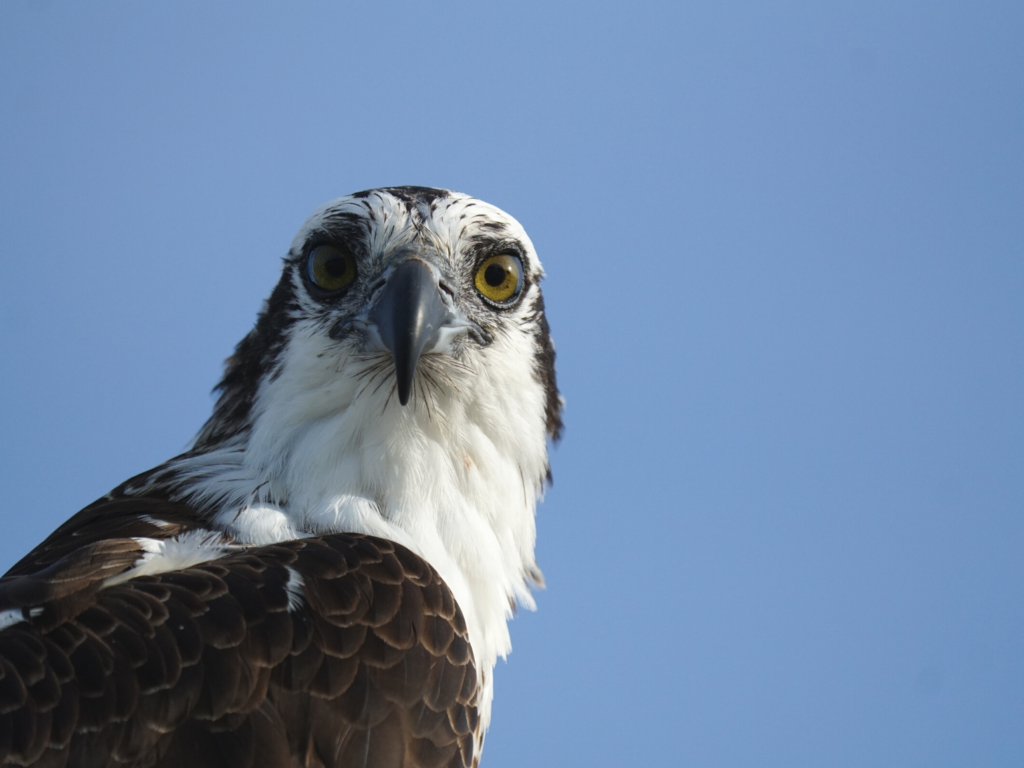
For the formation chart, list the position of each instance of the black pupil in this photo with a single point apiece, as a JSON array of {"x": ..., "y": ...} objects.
[
  {"x": 336, "y": 267},
  {"x": 495, "y": 275}
]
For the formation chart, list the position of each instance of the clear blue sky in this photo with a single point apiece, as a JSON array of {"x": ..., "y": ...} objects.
[{"x": 785, "y": 246}]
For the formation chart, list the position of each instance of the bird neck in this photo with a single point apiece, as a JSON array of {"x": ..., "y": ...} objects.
[{"x": 438, "y": 476}]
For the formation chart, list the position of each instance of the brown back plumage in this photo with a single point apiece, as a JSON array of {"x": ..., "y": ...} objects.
[{"x": 208, "y": 666}]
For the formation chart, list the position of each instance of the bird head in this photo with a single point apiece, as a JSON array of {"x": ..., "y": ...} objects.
[{"x": 398, "y": 298}]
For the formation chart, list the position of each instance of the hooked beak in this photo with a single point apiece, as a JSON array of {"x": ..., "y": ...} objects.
[{"x": 409, "y": 316}]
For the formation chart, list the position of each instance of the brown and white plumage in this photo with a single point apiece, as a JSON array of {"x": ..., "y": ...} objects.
[{"x": 325, "y": 577}]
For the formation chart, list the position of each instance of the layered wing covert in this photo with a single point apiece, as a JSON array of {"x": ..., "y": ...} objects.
[{"x": 341, "y": 651}]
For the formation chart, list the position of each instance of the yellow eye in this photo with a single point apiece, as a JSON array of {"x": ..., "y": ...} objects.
[
  {"x": 331, "y": 268},
  {"x": 500, "y": 278}
]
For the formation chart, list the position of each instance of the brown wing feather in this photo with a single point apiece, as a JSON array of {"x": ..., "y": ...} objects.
[{"x": 208, "y": 666}]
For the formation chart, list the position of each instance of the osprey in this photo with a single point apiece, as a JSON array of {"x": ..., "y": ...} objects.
[{"x": 325, "y": 577}]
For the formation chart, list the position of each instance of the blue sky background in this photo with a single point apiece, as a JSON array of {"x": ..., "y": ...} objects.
[{"x": 785, "y": 246}]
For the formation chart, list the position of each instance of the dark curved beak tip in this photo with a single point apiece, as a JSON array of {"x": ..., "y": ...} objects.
[
  {"x": 408, "y": 315},
  {"x": 404, "y": 386}
]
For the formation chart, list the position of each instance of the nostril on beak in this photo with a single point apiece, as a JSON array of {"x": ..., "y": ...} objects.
[{"x": 446, "y": 287}]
